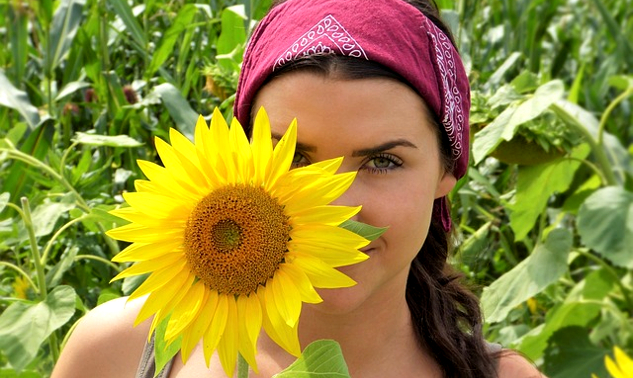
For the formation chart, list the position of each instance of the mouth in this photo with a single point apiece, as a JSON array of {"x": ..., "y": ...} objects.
[{"x": 368, "y": 250}]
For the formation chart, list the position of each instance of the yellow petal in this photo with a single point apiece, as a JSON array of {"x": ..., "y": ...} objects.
[
  {"x": 150, "y": 265},
  {"x": 148, "y": 251},
  {"x": 201, "y": 132},
  {"x": 329, "y": 166},
  {"x": 208, "y": 155},
  {"x": 242, "y": 155},
  {"x": 320, "y": 274},
  {"x": 195, "y": 331},
  {"x": 183, "y": 147},
  {"x": 328, "y": 234},
  {"x": 302, "y": 282},
  {"x": 276, "y": 328},
  {"x": 216, "y": 327},
  {"x": 130, "y": 214},
  {"x": 253, "y": 318},
  {"x": 214, "y": 170},
  {"x": 162, "y": 181},
  {"x": 270, "y": 330},
  {"x": 308, "y": 175},
  {"x": 158, "y": 206},
  {"x": 158, "y": 300},
  {"x": 320, "y": 192},
  {"x": 219, "y": 145},
  {"x": 613, "y": 368},
  {"x": 282, "y": 155},
  {"x": 262, "y": 147},
  {"x": 227, "y": 349},
  {"x": 185, "y": 311},
  {"x": 181, "y": 170},
  {"x": 246, "y": 321},
  {"x": 333, "y": 255},
  {"x": 158, "y": 279},
  {"x": 148, "y": 187},
  {"x": 188, "y": 156},
  {"x": 134, "y": 233},
  {"x": 325, "y": 215},
  {"x": 624, "y": 362},
  {"x": 287, "y": 297},
  {"x": 155, "y": 188}
]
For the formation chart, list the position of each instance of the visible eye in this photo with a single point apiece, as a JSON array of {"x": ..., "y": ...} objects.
[
  {"x": 382, "y": 163},
  {"x": 299, "y": 160}
]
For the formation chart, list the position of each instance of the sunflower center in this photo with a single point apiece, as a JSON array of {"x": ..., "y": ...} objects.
[
  {"x": 226, "y": 235},
  {"x": 235, "y": 238}
]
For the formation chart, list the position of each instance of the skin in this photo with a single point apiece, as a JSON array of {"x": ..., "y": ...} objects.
[{"x": 382, "y": 129}]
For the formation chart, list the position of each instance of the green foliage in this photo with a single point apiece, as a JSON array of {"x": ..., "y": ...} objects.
[
  {"x": 25, "y": 326},
  {"x": 605, "y": 224},
  {"x": 546, "y": 264},
  {"x": 322, "y": 358},
  {"x": 367, "y": 231},
  {"x": 85, "y": 86},
  {"x": 552, "y": 151},
  {"x": 544, "y": 214},
  {"x": 573, "y": 354}
]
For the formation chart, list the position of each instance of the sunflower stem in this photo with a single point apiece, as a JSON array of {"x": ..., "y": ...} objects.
[
  {"x": 35, "y": 251},
  {"x": 242, "y": 367},
  {"x": 98, "y": 258}
]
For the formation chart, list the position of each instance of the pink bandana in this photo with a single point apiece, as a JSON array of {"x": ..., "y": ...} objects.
[{"x": 390, "y": 32}]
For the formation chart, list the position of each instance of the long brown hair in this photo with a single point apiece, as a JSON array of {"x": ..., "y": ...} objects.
[{"x": 446, "y": 316}]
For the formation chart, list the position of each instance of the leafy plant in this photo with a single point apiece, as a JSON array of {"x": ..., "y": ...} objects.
[{"x": 85, "y": 86}]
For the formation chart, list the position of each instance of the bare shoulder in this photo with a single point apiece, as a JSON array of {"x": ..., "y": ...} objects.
[
  {"x": 105, "y": 342},
  {"x": 513, "y": 365}
]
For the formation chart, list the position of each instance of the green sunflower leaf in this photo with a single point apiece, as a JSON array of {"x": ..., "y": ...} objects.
[
  {"x": 369, "y": 232},
  {"x": 24, "y": 326},
  {"x": 163, "y": 352},
  {"x": 322, "y": 358},
  {"x": 605, "y": 224}
]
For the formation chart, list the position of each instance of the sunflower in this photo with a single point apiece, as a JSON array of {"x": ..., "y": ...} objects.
[
  {"x": 622, "y": 367},
  {"x": 21, "y": 287},
  {"x": 234, "y": 240}
]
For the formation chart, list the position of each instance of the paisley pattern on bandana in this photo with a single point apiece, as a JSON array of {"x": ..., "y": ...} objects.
[
  {"x": 310, "y": 43},
  {"x": 452, "y": 115}
]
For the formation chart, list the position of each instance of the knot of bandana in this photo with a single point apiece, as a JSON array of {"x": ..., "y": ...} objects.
[{"x": 392, "y": 33}]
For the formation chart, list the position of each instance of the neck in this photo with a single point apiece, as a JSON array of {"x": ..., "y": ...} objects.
[{"x": 377, "y": 338}]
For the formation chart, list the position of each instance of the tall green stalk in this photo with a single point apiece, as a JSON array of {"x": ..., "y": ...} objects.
[{"x": 39, "y": 268}]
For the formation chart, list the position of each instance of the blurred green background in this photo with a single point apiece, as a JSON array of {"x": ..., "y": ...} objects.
[{"x": 545, "y": 214}]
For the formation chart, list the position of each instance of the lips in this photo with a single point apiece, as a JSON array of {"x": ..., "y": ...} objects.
[{"x": 367, "y": 250}]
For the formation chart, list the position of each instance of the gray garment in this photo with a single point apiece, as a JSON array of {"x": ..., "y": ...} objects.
[{"x": 147, "y": 364}]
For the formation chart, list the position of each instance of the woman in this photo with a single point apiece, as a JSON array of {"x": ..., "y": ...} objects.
[{"x": 380, "y": 83}]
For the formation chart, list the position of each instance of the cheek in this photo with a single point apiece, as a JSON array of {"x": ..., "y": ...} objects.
[
  {"x": 407, "y": 210},
  {"x": 413, "y": 225}
]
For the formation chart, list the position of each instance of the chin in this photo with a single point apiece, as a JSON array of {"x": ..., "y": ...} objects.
[{"x": 338, "y": 301}]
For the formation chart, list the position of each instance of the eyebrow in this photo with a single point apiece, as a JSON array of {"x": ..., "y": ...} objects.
[
  {"x": 363, "y": 152},
  {"x": 384, "y": 147}
]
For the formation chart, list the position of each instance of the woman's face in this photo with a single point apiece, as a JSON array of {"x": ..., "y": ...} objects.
[{"x": 381, "y": 127}]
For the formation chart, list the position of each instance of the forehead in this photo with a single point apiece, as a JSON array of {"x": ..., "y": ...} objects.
[{"x": 328, "y": 109}]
